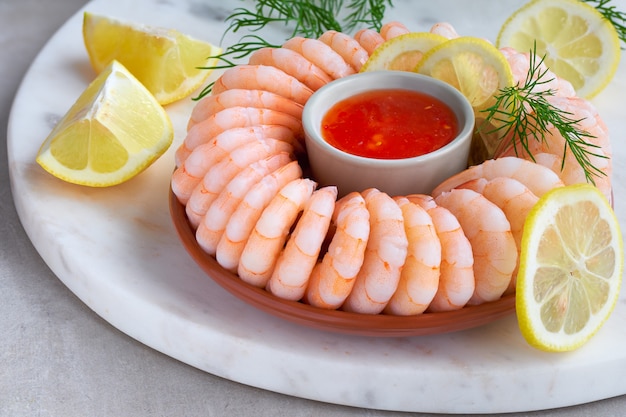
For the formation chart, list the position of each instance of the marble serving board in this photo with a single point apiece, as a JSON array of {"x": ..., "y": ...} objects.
[{"x": 117, "y": 250}]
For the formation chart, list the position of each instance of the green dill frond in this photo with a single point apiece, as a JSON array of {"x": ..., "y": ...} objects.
[{"x": 524, "y": 113}]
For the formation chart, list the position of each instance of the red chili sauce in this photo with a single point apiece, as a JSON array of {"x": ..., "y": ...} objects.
[{"x": 389, "y": 124}]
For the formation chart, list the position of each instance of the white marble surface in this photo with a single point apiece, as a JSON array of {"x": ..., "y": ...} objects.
[{"x": 116, "y": 251}]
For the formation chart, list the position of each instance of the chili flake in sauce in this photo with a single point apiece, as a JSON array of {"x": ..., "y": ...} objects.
[{"x": 389, "y": 124}]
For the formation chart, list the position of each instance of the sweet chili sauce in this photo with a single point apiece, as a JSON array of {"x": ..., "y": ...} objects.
[{"x": 389, "y": 124}]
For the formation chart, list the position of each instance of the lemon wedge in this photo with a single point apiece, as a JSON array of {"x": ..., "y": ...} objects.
[
  {"x": 114, "y": 130},
  {"x": 403, "y": 52},
  {"x": 571, "y": 266},
  {"x": 472, "y": 65},
  {"x": 579, "y": 44},
  {"x": 166, "y": 61}
]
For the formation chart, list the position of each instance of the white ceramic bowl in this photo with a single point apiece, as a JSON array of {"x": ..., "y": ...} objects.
[{"x": 421, "y": 174}]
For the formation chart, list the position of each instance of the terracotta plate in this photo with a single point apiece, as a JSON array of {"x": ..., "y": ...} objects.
[{"x": 335, "y": 320}]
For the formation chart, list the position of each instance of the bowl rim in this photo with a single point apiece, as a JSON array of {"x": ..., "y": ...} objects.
[
  {"x": 312, "y": 133},
  {"x": 337, "y": 321}
]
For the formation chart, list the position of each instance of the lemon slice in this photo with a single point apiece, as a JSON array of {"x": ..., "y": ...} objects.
[
  {"x": 579, "y": 44},
  {"x": 472, "y": 65},
  {"x": 113, "y": 131},
  {"x": 571, "y": 266},
  {"x": 479, "y": 71},
  {"x": 166, "y": 61},
  {"x": 403, "y": 52}
]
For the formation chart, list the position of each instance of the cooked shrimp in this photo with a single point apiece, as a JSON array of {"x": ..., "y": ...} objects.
[
  {"x": 511, "y": 196},
  {"x": 263, "y": 77},
  {"x": 369, "y": 39},
  {"x": 444, "y": 29},
  {"x": 456, "y": 278},
  {"x": 569, "y": 170},
  {"x": 346, "y": 46},
  {"x": 271, "y": 230},
  {"x": 295, "y": 263},
  {"x": 187, "y": 176},
  {"x": 493, "y": 246},
  {"x": 292, "y": 63},
  {"x": 520, "y": 67},
  {"x": 549, "y": 160},
  {"x": 514, "y": 199},
  {"x": 537, "y": 178},
  {"x": 385, "y": 255},
  {"x": 240, "y": 97},
  {"x": 321, "y": 55},
  {"x": 572, "y": 175},
  {"x": 221, "y": 173},
  {"x": 245, "y": 216},
  {"x": 392, "y": 29},
  {"x": 332, "y": 279},
  {"x": 214, "y": 222},
  {"x": 230, "y": 118},
  {"x": 419, "y": 278}
]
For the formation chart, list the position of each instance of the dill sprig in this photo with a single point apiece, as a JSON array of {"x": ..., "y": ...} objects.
[
  {"x": 367, "y": 13},
  {"x": 523, "y": 113},
  {"x": 610, "y": 13},
  {"x": 309, "y": 19}
]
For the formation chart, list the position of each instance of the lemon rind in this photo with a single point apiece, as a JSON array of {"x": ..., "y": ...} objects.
[
  {"x": 137, "y": 161},
  {"x": 192, "y": 76},
  {"x": 528, "y": 311},
  {"x": 609, "y": 38}
]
